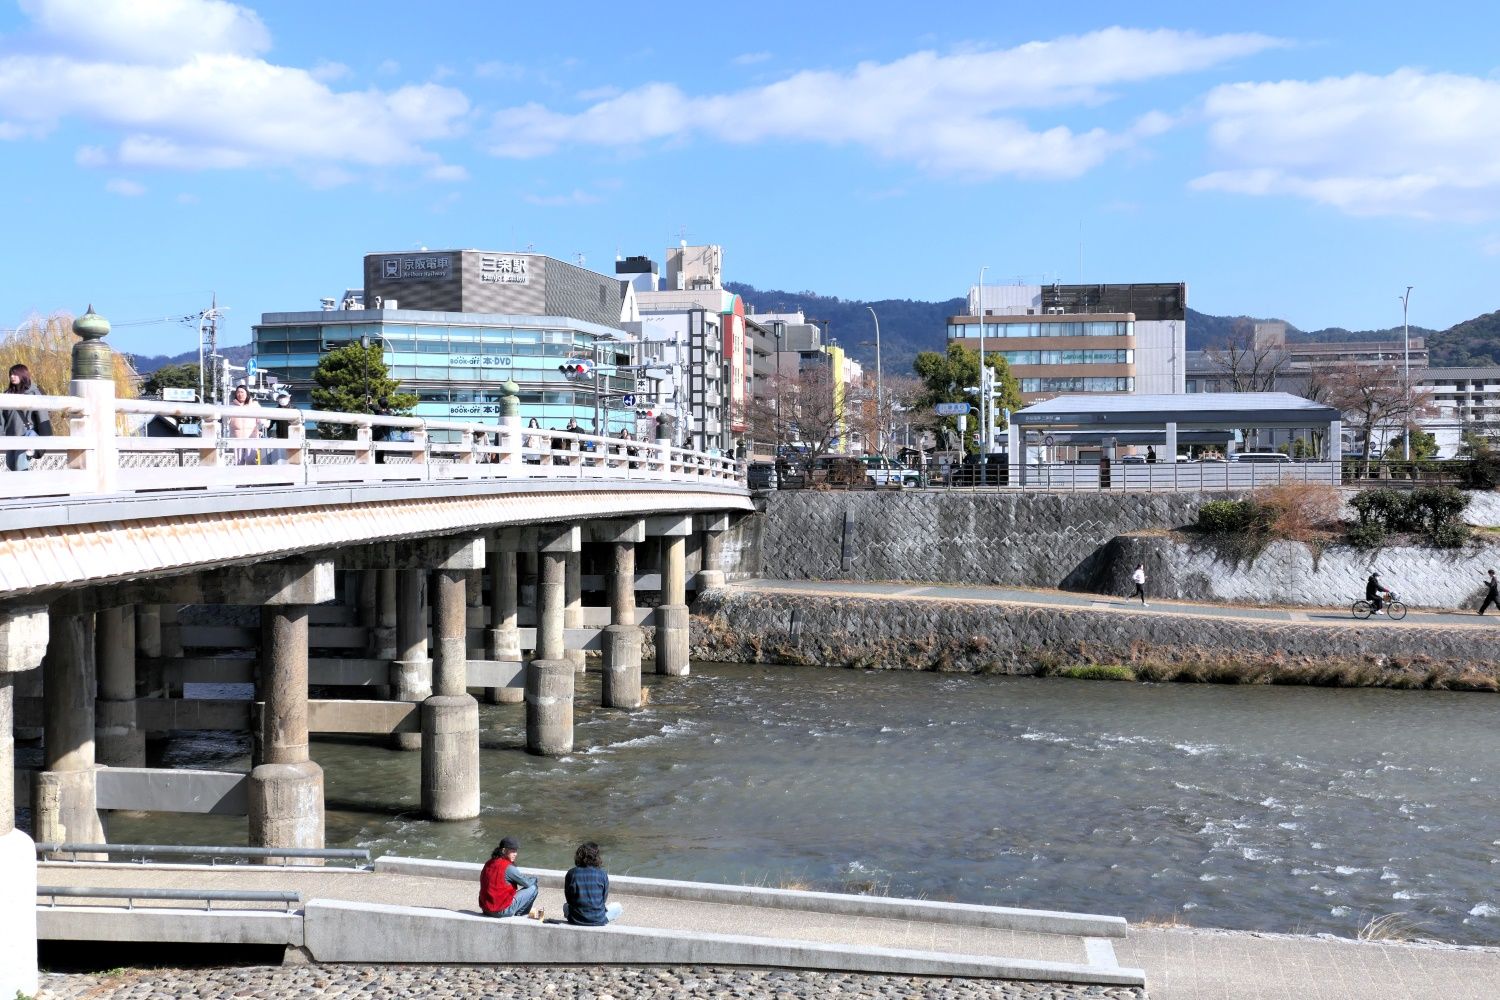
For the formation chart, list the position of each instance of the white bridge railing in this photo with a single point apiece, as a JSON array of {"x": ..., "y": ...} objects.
[{"x": 100, "y": 445}]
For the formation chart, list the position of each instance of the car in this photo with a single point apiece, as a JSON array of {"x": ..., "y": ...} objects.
[
  {"x": 1132, "y": 460},
  {"x": 1261, "y": 457},
  {"x": 761, "y": 476},
  {"x": 881, "y": 471}
]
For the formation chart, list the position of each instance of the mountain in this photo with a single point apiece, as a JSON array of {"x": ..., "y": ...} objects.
[{"x": 146, "y": 364}]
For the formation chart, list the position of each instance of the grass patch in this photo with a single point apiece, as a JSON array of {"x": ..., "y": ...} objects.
[{"x": 1097, "y": 672}]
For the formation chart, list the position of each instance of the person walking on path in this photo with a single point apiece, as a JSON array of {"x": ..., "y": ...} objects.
[
  {"x": 23, "y": 423},
  {"x": 1139, "y": 579},
  {"x": 586, "y": 890},
  {"x": 1491, "y": 593},
  {"x": 504, "y": 890}
]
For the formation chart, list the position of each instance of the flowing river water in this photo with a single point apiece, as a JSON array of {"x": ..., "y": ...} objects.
[{"x": 1266, "y": 808}]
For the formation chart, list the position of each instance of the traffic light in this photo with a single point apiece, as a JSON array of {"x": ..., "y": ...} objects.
[{"x": 577, "y": 369}]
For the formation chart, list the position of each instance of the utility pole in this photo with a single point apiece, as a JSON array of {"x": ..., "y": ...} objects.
[
  {"x": 1406, "y": 371},
  {"x": 984, "y": 403},
  {"x": 879, "y": 389},
  {"x": 208, "y": 330}
]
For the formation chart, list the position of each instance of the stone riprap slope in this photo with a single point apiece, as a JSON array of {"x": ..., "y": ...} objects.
[
  {"x": 1191, "y": 567},
  {"x": 1018, "y": 539},
  {"x": 763, "y": 625},
  {"x": 629, "y": 983}
]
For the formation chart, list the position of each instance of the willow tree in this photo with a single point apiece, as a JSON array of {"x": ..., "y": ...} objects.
[{"x": 44, "y": 344}]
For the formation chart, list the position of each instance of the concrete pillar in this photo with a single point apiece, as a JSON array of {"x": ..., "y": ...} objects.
[
  {"x": 64, "y": 795},
  {"x": 549, "y": 675},
  {"x": 573, "y": 609},
  {"x": 286, "y": 789},
  {"x": 23, "y": 637},
  {"x": 450, "y": 718},
  {"x": 119, "y": 742},
  {"x": 171, "y": 645},
  {"x": 672, "y": 615},
  {"x": 712, "y": 573},
  {"x": 411, "y": 671},
  {"x": 526, "y": 586},
  {"x": 622, "y": 639},
  {"x": 383, "y": 641},
  {"x": 1169, "y": 450},
  {"x": 1016, "y": 457},
  {"x": 503, "y": 638}
]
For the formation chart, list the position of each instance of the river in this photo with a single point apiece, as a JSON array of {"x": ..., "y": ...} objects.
[{"x": 1265, "y": 808}]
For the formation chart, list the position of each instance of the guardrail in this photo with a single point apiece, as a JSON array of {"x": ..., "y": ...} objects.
[
  {"x": 1180, "y": 477},
  {"x": 214, "y": 853},
  {"x": 104, "y": 448},
  {"x": 208, "y": 896}
]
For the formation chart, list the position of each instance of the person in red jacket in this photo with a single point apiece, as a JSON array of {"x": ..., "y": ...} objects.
[{"x": 504, "y": 891}]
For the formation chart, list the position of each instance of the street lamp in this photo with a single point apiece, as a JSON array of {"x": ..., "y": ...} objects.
[
  {"x": 1406, "y": 370},
  {"x": 879, "y": 389},
  {"x": 984, "y": 404}
]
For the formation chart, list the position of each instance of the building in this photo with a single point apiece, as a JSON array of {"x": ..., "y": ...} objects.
[
  {"x": 783, "y": 345},
  {"x": 454, "y": 325},
  {"x": 1081, "y": 338}
]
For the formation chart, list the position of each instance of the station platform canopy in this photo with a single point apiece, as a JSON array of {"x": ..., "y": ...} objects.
[{"x": 1196, "y": 411}]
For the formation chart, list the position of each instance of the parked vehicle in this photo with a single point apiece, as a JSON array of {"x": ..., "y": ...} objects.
[
  {"x": 1262, "y": 457},
  {"x": 881, "y": 471},
  {"x": 761, "y": 476}
]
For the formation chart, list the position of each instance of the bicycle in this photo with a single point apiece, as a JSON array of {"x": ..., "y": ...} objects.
[{"x": 1393, "y": 609}]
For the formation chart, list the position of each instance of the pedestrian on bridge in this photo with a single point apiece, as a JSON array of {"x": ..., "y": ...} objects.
[
  {"x": 243, "y": 424},
  {"x": 23, "y": 423},
  {"x": 504, "y": 890}
]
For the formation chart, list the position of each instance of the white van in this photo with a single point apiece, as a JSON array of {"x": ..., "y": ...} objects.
[{"x": 1261, "y": 457}]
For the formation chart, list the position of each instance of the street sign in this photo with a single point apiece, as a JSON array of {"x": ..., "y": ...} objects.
[
  {"x": 251, "y": 367},
  {"x": 951, "y": 409},
  {"x": 170, "y": 395},
  {"x": 629, "y": 401}
]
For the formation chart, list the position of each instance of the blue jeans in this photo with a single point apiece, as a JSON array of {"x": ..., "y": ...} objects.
[
  {"x": 612, "y": 912},
  {"x": 521, "y": 905}
]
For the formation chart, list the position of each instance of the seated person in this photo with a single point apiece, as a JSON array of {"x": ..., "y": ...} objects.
[
  {"x": 503, "y": 890},
  {"x": 586, "y": 890},
  {"x": 1376, "y": 592}
]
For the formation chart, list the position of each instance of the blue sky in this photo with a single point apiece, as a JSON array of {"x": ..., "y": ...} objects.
[{"x": 1301, "y": 160}]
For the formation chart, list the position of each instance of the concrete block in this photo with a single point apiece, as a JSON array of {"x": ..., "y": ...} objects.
[
  {"x": 273, "y": 583},
  {"x": 64, "y": 807},
  {"x": 669, "y": 525},
  {"x": 18, "y": 916},
  {"x": 559, "y": 538},
  {"x": 372, "y": 717},
  {"x": 496, "y": 674},
  {"x": 450, "y": 552},
  {"x": 286, "y": 805},
  {"x": 23, "y": 639},
  {"x": 150, "y": 789},
  {"x": 168, "y": 924},
  {"x": 633, "y": 530}
]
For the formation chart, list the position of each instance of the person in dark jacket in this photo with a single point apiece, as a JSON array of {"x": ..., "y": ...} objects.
[
  {"x": 1491, "y": 593},
  {"x": 504, "y": 890},
  {"x": 586, "y": 890},
  {"x": 23, "y": 423},
  {"x": 1376, "y": 593}
]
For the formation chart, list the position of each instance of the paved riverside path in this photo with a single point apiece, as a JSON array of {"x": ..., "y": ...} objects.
[
  {"x": 1104, "y": 602},
  {"x": 1180, "y": 964}
]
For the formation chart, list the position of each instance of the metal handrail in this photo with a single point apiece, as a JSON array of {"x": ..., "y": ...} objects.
[
  {"x": 213, "y": 853},
  {"x": 209, "y": 896}
]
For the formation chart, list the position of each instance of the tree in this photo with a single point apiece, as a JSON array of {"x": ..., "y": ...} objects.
[
  {"x": 1249, "y": 365},
  {"x": 799, "y": 414},
  {"x": 1423, "y": 446},
  {"x": 355, "y": 379},
  {"x": 872, "y": 411},
  {"x": 45, "y": 346},
  {"x": 946, "y": 376},
  {"x": 1372, "y": 399},
  {"x": 184, "y": 376}
]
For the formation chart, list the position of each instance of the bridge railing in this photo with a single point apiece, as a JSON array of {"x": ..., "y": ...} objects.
[{"x": 108, "y": 446}]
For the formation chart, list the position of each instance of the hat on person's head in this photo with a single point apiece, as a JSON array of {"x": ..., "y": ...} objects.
[
  {"x": 280, "y": 396},
  {"x": 509, "y": 844}
]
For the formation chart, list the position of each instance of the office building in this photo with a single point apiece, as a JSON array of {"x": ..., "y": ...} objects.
[{"x": 454, "y": 325}]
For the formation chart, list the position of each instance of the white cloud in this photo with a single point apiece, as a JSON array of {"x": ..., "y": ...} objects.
[
  {"x": 952, "y": 113},
  {"x": 1410, "y": 143},
  {"x": 1490, "y": 246},
  {"x": 450, "y": 172},
  {"x": 603, "y": 93},
  {"x": 496, "y": 69},
  {"x": 206, "y": 100},
  {"x": 574, "y": 197},
  {"x": 91, "y": 156},
  {"x": 750, "y": 58},
  {"x": 388, "y": 67},
  {"x": 8, "y": 131},
  {"x": 327, "y": 72},
  {"x": 187, "y": 198},
  {"x": 124, "y": 188},
  {"x": 151, "y": 31}
]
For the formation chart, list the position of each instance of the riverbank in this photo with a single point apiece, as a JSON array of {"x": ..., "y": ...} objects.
[
  {"x": 1180, "y": 964},
  {"x": 973, "y": 631}
]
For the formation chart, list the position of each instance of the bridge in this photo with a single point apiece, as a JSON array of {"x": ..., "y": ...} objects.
[{"x": 431, "y": 556}]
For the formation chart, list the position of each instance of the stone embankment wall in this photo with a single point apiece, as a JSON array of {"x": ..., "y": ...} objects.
[
  {"x": 1031, "y": 539},
  {"x": 758, "y": 626},
  {"x": 1191, "y": 567}
]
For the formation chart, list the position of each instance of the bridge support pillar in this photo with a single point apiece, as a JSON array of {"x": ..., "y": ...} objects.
[
  {"x": 64, "y": 799},
  {"x": 286, "y": 790},
  {"x": 23, "y": 637},
  {"x": 503, "y": 638},
  {"x": 120, "y": 743},
  {"x": 411, "y": 671},
  {"x": 383, "y": 639},
  {"x": 549, "y": 675},
  {"x": 450, "y": 717},
  {"x": 573, "y": 609},
  {"x": 622, "y": 639},
  {"x": 711, "y": 574},
  {"x": 672, "y": 615}
]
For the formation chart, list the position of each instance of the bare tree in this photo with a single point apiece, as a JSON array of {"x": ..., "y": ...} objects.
[
  {"x": 800, "y": 414},
  {"x": 1248, "y": 365},
  {"x": 871, "y": 412},
  {"x": 1374, "y": 400}
]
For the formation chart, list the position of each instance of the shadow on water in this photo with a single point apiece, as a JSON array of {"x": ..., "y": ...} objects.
[{"x": 1266, "y": 808}]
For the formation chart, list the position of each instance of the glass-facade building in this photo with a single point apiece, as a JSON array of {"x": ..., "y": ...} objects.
[{"x": 455, "y": 363}]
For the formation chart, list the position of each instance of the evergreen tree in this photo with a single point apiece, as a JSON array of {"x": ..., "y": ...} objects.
[
  {"x": 945, "y": 376},
  {"x": 184, "y": 376},
  {"x": 355, "y": 379}
]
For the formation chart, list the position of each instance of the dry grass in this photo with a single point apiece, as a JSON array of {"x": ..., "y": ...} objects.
[
  {"x": 1391, "y": 927},
  {"x": 1300, "y": 512}
]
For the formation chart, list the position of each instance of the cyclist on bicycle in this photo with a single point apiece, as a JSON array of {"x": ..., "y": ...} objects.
[{"x": 1376, "y": 593}]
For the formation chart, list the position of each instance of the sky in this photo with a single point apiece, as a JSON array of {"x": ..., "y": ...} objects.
[{"x": 1307, "y": 161}]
